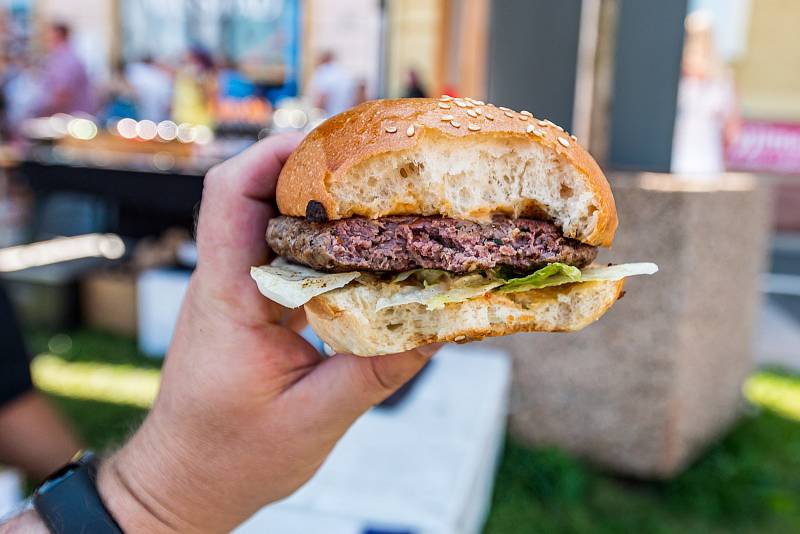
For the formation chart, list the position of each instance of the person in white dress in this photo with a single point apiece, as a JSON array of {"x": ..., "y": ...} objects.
[{"x": 707, "y": 112}]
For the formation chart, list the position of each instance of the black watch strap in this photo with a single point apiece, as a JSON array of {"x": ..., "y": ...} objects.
[{"x": 68, "y": 501}]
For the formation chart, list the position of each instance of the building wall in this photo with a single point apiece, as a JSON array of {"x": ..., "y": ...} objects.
[
  {"x": 768, "y": 73},
  {"x": 348, "y": 28},
  {"x": 417, "y": 37}
]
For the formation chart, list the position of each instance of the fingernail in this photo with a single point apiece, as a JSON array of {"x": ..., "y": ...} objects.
[{"x": 430, "y": 350}]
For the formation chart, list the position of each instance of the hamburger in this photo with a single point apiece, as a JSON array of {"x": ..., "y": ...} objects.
[{"x": 413, "y": 221}]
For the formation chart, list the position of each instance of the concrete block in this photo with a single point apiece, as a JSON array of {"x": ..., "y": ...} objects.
[{"x": 645, "y": 389}]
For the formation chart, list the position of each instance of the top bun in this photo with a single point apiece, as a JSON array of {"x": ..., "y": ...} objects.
[{"x": 453, "y": 157}]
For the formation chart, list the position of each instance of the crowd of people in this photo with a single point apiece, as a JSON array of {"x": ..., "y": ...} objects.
[{"x": 58, "y": 81}]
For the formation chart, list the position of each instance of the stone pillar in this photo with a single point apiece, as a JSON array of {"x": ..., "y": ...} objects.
[{"x": 645, "y": 389}]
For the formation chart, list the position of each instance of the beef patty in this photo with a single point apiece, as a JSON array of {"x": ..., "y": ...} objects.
[{"x": 401, "y": 243}]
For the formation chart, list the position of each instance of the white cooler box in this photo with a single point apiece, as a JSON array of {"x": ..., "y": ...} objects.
[
  {"x": 10, "y": 490},
  {"x": 159, "y": 295},
  {"x": 425, "y": 467}
]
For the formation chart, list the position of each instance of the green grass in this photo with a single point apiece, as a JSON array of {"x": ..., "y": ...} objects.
[
  {"x": 101, "y": 425},
  {"x": 748, "y": 483}
]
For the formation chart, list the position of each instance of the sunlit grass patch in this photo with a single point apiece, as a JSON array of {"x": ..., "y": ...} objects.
[
  {"x": 777, "y": 392},
  {"x": 103, "y": 382}
]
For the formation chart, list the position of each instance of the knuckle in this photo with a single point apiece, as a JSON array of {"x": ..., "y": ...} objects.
[
  {"x": 376, "y": 380},
  {"x": 215, "y": 175}
]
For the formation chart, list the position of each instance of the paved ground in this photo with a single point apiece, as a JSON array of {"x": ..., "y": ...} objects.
[{"x": 778, "y": 340}]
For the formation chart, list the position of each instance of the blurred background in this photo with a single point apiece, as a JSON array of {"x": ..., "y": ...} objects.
[{"x": 680, "y": 411}]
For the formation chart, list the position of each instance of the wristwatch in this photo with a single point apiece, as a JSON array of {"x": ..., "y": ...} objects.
[{"x": 68, "y": 501}]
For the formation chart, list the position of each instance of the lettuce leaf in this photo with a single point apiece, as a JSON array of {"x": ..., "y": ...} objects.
[
  {"x": 293, "y": 285},
  {"x": 613, "y": 273},
  {"x": 554, "y": 274},
  {"x": 457, "y": 289},
  {"x": 557, "y": 274},
  {"x": 426, "y": 276}
]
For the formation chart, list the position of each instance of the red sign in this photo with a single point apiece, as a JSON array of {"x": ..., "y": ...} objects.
[{"x": 766, "y": 147}]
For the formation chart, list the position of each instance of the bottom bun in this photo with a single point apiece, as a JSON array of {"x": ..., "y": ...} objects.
[{"x": 347, "y": 321}]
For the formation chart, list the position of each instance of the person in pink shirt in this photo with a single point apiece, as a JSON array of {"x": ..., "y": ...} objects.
[{"x": 65, "y": 82}]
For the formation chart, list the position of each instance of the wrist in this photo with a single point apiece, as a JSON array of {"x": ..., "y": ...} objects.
[
  {"x": 129, "y": 502},
  {"x": 150, "y": 485}
]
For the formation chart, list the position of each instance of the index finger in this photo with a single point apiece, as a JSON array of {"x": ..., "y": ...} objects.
[{"x": 235, "y": 210}]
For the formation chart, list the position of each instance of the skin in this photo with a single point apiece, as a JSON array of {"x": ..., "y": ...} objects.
[
  {"x": 33, "y": 437},
  {"x": 247, "y": 410}
]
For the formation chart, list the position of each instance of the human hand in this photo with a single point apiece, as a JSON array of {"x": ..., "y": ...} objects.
[{"x": 247, "y": 410}]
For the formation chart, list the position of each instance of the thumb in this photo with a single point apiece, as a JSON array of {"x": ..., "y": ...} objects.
[{"x": 346, "y": 386}]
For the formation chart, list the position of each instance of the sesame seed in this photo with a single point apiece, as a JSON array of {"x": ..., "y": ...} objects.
[
  {"x": 563, "y": 141},
  {"x": 444, "y": 105},
  {"x": 459, "y": 338},
  {"x": 573, "y": 138},
  {"x": 446, "y": 98},
  {"x": 508, "y": 114},
  {"x": 472, "y": 113},
  {"x": 461, "y": 103},
  {"x": 501, "y": 108},
  {"x": 479, "y": 111},
  {"x": 523, "y": 117},
  {"x": 490, "y": 117},
  {"x": 479, "y": 102},
  {"x": 391, "y": 129},
  {"x": 455, "y": 124},
  {"x": 538, "y": 133},
  {"x": 530, "y": 128},
  {"x": 473, "y": 127},
  {"x": 410, "y": 131},
  {"x": 542, "y": 123},
  {"x": 447, "y": 118},
  {"x": 527, "y": 113}
]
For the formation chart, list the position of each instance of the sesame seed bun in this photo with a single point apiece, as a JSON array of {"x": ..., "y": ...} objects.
[{"x": 457, "y": 158}]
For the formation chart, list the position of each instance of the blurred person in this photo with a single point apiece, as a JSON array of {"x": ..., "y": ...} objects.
[
  {"x": 331, "y": 88},
  {"x": 64, "y": 79},
  {"x": 414, "y": 87},
  {"x": 33, "y": 437},
  {"x": 361, "y": 95},
  {"x": 22, "y": 90},
  {"x": 195, "y": 89},
  {"x": 152, "y": 84},
  {"x": 119, "y": 99},
  {"x": 707, "y": 110},
  {"x": 4, "y": 64},
  {"x": 247, "y": 410}
]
